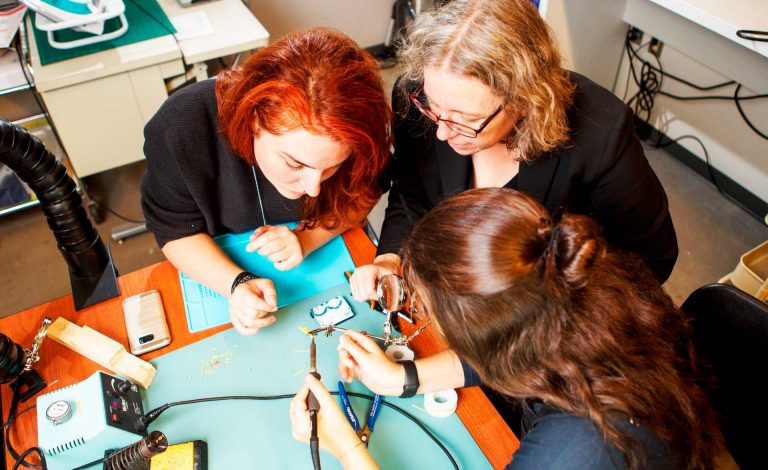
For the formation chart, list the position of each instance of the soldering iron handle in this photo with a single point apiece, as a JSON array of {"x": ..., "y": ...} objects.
[{"x": 312, "y": 403}]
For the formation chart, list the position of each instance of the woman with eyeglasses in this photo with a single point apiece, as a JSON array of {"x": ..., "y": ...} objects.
[
  {"x": 484, "y": 102},
  {"x": 547, "y": 314},
  {"x": 300, "y": 132}
]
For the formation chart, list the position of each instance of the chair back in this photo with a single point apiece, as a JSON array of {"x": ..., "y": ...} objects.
[{"x": 730, "y": 331}]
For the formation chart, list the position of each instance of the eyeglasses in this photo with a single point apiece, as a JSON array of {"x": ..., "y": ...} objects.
[{"x": 458, "y": 127}]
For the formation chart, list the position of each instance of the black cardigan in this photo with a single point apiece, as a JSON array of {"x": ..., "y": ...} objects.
[
  {"x": 194, "y": 182},
  {"x": 602, "y": 172}
]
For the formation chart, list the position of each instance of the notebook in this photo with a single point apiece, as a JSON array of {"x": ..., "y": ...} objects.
[{"x": 322, "y": 269}]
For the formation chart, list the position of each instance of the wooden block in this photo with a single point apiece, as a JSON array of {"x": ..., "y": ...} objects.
[{"x": 102, "y": 350}]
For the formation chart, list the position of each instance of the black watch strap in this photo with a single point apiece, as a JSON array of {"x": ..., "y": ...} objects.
[
  {"x": 244, "y": 276},
  {"x": 411, "y": 379}
]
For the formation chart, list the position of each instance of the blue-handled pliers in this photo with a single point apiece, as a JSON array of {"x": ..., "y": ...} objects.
[{"x": 364, "y": 432}]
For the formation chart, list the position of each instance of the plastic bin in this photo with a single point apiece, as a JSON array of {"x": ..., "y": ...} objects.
[{"x": 751, "y": 273}]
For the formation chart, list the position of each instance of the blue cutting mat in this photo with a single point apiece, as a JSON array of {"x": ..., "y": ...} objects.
[
  {"x": 257, "y": 434},
  {"x": 322, "y": 269}
]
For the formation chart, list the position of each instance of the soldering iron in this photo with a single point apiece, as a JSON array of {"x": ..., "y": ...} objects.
[{"x": 313, "y": 406}]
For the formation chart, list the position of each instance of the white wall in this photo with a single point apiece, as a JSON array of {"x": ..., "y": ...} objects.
[
  {"x": 364, "y": 20},
  {"x": 733, "y": 148},
  {"x": 591, "y": 35}
]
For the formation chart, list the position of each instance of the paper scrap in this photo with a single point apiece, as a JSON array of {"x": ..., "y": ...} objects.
[{"x": 192, "y": 25}]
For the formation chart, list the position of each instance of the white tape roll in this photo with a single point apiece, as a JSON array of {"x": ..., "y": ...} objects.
[
  {"x": 399, "y": 352},
  {"x": 441, "y": 404}
]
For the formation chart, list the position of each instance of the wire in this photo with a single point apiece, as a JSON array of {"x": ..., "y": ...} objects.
[
  {"x": 645, "y": 96},
  {"x": 111, "y": 211},
  {"x": 155, "y": 413},
  {"x": 737, "y": 99},
  {"x": 647, "y": 89},
  {"x": 165, "y": 27},
  {"x": 24, "y": 455},
  {"x": 11, "y": 416},
  {"x": 753, "y": 35},
  {"x": 675, "y": 77}
]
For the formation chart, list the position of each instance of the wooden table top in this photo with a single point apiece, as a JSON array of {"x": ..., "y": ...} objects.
[{"x": 60, "y": 366}]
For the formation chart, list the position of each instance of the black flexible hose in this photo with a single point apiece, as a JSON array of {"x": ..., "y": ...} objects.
[{"x": 78, "y": 241}]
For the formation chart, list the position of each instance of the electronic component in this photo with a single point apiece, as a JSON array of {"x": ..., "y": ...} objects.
[
  {"x": 76, "y": 424},
  {"x": 332, "y": 312}
]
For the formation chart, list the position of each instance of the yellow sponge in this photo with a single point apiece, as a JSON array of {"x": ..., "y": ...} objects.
[{"x": 191, "y": 455}]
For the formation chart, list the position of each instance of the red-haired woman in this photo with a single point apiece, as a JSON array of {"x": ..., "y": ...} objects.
[
  {"x": 543, "y": 312},
  {"x": 299, "y": 132}
]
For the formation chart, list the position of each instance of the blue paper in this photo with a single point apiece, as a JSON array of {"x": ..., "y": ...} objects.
[{"x": 322, "y": 269}]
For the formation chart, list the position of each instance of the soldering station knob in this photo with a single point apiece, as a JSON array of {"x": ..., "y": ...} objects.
[{"x": 123, "y": 386}]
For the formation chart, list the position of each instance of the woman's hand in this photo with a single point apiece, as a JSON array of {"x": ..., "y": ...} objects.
[
  {"x": 251, "y": 304},
  {"x": 360, "y": 357},
  {"x": 279, "y": 244},
  {"x": 335, "y": 434},
  {"x": 365, "y": 279}
]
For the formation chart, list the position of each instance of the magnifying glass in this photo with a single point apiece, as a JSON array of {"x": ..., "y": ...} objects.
[{"x": 391, "y": 296}]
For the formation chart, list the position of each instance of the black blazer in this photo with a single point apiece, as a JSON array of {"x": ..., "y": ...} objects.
[{"x": 602, "y": 172}]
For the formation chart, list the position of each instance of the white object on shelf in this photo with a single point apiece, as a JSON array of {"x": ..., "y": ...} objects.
[
  {"x": 11, "y": 76},
  {"x": 9, "y": 24},
  {"x": 87, "y": 16},
  {"x": 192, "y": 25}
]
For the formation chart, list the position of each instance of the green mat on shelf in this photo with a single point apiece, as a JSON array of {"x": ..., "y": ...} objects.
[{"x": 146, "y": 20}]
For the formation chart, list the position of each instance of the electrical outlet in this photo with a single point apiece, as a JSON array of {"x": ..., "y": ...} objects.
[
  {"x": 655, "y": 47},
  {"x": 635, "y": 35}
]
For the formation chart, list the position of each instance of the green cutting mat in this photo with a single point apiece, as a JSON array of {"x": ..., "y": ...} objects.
[
  {"x": 146, "y": 20},
  {"x": 257, "y": 434}
]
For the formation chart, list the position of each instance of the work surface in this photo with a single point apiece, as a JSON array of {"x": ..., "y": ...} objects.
[
  {"x": 275, "y": 362},
  {"x": 61, "y": 366}
]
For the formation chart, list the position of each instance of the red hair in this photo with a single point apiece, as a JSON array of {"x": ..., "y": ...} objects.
[{"x": 321, "y": 81}]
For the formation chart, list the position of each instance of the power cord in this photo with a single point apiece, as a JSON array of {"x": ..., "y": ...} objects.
[
  {"x": 116, "y": 214},
  {"x": 165, "y": 27},
  {"x": 12, "y": 414},
  {"x": 649, "y": 85},
  {"x": 152, "y": 415},
  {"x": 737, "y": 99}
]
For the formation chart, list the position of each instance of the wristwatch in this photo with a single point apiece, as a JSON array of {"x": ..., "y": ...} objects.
[
  {"x": 244, "y": 276},
  {"x": 411, "y": 379}
]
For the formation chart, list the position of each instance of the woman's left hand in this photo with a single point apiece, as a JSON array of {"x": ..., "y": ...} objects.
[{"x": 279, "y": 244}]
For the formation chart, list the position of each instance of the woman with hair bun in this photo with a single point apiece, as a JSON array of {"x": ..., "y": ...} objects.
[
  {"x": 547, "y": 314},
  {"x": 300, "y": 132},
  {"x": 485, "y": 102}
]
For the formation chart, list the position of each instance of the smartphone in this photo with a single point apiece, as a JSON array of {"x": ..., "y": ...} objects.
[{"x": 145, "y": 322}]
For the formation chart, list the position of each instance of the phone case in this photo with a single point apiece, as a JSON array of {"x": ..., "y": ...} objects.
[{"x": 145, "y": 322}]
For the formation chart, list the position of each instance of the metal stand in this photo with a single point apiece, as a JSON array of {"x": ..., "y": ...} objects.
[{"x": 127, "y": 230}]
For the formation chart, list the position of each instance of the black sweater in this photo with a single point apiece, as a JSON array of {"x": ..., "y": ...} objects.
[
  {"x": 602, "y": 172},
  {"x": 194, "y": 182}
]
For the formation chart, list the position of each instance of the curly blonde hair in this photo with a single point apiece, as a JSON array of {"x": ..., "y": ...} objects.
[{"x": 507, "y": 46}]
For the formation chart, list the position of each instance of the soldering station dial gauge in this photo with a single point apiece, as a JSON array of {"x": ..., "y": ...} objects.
[{"x": 58, "y": 412}]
